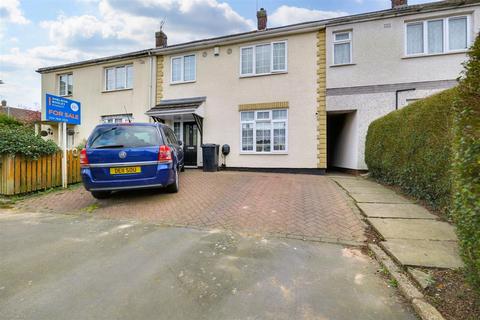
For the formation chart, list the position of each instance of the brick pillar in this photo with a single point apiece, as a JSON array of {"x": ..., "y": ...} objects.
[
  {"x": 321, "y": 101},
  {"x": 159, "y": 79}
]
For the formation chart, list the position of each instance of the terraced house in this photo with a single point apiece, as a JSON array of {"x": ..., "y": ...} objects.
[{"x": 278, "y": 96}]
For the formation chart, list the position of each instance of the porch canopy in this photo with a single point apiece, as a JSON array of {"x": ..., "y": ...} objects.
[{"x": 185, "y": 109}]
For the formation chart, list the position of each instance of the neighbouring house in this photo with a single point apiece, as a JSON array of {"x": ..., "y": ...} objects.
[
  {"x": 277, "y": 95},
  {"x": 26, "y": 116},
  {"x": 111, "y": 89},
  {"x": 379, "y": 62}
]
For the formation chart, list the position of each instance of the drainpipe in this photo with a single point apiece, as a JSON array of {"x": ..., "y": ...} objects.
[
  {"x": 396, "y": 95},
  {"x": 151, "y": 84}
]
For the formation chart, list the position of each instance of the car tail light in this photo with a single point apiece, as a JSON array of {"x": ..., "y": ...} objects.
[
  {"x": 83, "y": 157},
  {"x": 165, "y": 154}
]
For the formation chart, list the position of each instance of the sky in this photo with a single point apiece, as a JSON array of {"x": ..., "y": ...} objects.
[{"x": 40, "y": 33}]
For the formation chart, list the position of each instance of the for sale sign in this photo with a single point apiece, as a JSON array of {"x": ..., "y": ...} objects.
[{"x": 60, "y": 109}]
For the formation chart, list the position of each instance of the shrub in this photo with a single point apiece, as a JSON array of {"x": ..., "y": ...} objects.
[
  {"x": 9, "y": 121},
  {"x": 19, "y": 139},
  {"x": 466, "y": 166},
  {"x": 411, "y": 148}
]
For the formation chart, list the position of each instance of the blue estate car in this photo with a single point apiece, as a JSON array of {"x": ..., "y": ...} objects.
[{"x": 126, "y": 156}]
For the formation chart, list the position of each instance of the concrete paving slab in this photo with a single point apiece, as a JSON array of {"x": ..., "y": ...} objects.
[
  {"x": 423, "y": 279},
  {"x": 424, "y": 253},
  {"x": 367, "y": 189},
  {"x": 396, "y": 210},
  {"x": 76, "y": 267},
  {"x": 413, "y": 229},
  {"x": 379, "y": 198}
]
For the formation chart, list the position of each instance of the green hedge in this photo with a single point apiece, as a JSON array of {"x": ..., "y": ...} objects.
[
  {"x": 431, "y": 149},
  {"x": 411, "y": 148},
  {"x": 466, "y": 168},
  {"x": 16, "y": 138}
]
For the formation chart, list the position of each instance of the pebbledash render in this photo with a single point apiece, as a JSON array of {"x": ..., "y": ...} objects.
[{"x": 298, "y": 97}]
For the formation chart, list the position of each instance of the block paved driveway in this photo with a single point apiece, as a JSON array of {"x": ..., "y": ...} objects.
[{"x": 281, "y": 204}]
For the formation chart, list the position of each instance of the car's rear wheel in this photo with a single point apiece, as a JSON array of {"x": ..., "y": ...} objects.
[
  {"x": 173, "y": 188},
  {"x": 101, "y": 194}
]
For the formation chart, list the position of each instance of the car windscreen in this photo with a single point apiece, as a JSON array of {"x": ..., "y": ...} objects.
[{"x": 123, "y": 136}]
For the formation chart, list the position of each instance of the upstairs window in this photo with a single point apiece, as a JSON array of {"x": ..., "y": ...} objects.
[
  {"x": 342, "y": 48},
  {"x": 65, "y": 85},
  {"x": 437, "y": 36},
  {"x": 183, "y": 69},
  {"x": 263, "y": 59},
  {"x": 264, "y": 131},
  {"x": 119, "y": 77}
]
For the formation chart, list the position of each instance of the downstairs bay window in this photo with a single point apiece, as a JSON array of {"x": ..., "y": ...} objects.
[{"x": 264, "y": 131}]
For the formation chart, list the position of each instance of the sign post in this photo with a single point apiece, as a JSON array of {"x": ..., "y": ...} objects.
[{"x": 63, "y": 111}]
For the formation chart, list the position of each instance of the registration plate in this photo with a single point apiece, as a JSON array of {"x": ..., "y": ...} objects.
[{"x": 125, "y": 170}]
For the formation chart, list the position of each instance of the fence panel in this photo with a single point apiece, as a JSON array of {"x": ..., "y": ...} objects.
[{"x": 21, "y": 175}]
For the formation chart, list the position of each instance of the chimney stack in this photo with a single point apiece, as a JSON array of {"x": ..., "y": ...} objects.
[
  {"x": 160, "y": 39},
  {"x": 262, "y": 19},
  {"x": 396, "y": 4}
]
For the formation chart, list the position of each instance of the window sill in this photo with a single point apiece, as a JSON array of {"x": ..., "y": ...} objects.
[
  {"x": 342, "y": 65},
  {"x": 265, "y": 153},
  {"x": 435, "y": 54},
  {"x": 116, "y": 90},
  {"x": 262, "y": 74},
  {"x": 182, "y": 82},
  {"x": 66, "y": 95}
]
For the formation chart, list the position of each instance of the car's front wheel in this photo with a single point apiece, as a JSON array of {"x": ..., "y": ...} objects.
[
  {"x": 101, "y": 194},
  {"x": 173, "y": 188}
]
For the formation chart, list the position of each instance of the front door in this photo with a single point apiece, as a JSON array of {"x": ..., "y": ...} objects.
[{"x": 190, "y": 143}]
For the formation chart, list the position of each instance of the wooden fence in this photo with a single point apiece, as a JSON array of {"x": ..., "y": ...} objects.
[{"x": 22, "y": 175}]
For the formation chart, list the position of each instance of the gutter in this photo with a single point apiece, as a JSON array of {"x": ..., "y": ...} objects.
[
  {"x": 250, "y": 36},
  {"x": 91, "y": 62}
]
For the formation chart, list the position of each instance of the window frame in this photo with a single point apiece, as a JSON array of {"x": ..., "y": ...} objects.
[
  {"x": 182, "y": 68},
  {"x": 269, "y": 120},
  {"x": 349, "y": 41},
  {"x": 68, "y": 75},
  {"x": 254, "y": 67},
  {"x": 125, "y": 66},
  {"x": 446, "y": 36},
  {"x": 125, "y": 117}
]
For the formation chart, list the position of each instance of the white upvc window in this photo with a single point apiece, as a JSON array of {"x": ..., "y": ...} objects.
[
  {"x": 266, "y": 58},
  {"x": 183, "y": 69},
  {"x": 342, "y": 47},
  {"x": 65, "y": 84},
  {"x": 117, "y": 118},
  {"x": 437, "y": 36},
  {"x": 264, "y": 131},
  {"x": 119, "y": 77}
]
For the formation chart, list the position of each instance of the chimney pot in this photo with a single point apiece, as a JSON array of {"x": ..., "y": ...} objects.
[
  {"x": 160, "y": 39},
  {"x": 262, "y": 19},
  {"x": 399, "y": 4}
]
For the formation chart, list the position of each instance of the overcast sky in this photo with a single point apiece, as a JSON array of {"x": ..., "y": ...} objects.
[{"x": 39, "y": 33}]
